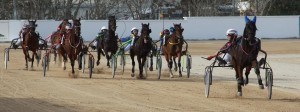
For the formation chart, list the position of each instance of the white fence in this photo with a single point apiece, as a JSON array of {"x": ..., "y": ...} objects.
[{"x": 194, "y": 27}]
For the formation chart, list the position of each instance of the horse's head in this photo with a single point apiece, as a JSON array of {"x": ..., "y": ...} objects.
[
  {"x": 178, "y": 30},
  {"x": 77, "y": 26},
  {"x": 32, "y": 24},
  {"x": 112, "y": 23},
  {"x": 145, "y": 32},
  {"x": 250, "y": 29},
  {"x": 145, "y": 29}
]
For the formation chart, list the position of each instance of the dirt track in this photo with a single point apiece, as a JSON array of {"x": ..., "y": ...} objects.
[{"x": 28, "y": 91}]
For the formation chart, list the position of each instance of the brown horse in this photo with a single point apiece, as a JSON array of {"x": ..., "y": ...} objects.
[
  {"x": 244, "y": 53},
  {"x": 173, "y": 49},
  {"x": 56, "y": 38},
  {"x": 30, "y": 42},
  {"x": 79, "y": 48},
  {"x": 110, "y": 42},
  {"x": 141, "y": 48}
]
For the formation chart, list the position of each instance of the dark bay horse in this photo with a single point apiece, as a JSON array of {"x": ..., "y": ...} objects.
[
  {"x": 110, "y": 42},
  {"x": 141, "y": 48},
  {"x": 173, "y": 48},
  {"x": 244, "y": 53},
  {"x": 79, "y": 48},
  {"x": 70, "y": 47},
  {"x": 30, "y": 42}
]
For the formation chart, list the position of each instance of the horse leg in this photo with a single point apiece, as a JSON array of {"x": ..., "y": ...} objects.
[
  {"x": 98, "y": 56},
  {"x": 170, "y": 63},
  {"x": 72, "y": 64},
  {"x": 175, "y": 64},
  {"x": 257, "y": 72},
  {"x": 248, "y": 69},
  {"x": 33, "y": 53},
  {"x": 133, "y": 63},
  {"x": 26, "y": 64},
  {"x": 80, "y": 60},
  {"x": 141, "y": 62},
  {"x": 240, "y": 80},
  {"x": 64, "y": 61},
  {"x": 108, "y": 58},
  {"x": 151, "y": 62},
  {"x": 179, "y": 64}
]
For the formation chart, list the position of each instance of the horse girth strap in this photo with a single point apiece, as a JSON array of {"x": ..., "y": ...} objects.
[{"x": 171, "y": 43}]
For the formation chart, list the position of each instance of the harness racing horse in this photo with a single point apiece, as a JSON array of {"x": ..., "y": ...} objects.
[
  {"x": 30, "y": 42},
  {"x": 77, "y": 31},
  {"x": 56, "y": 39},
  {"x": 173, "y": 49},
  {"x": 110, "y": 42},
  {"x": 70, "y": 47},
  {"x": 141, "y": 48},
  {"x": 244, "y": 51}
]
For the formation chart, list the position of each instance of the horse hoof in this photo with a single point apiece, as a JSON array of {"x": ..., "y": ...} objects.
[
  {"x": 151, "y": 68},
  {"x": 171, "y": 76},
  {"x": 175, "y": 69},
  {"x": 98, "y": 63},
  {"x": 261, "y": 87},
  {"x": 239, "y": 93},
  {"x": 65, "y": 68},
  {"x": 180, "y": 75},
  {"x": 132, "y": 75}
]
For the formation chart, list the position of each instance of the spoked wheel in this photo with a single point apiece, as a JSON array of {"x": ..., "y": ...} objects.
[
  {"x": 158, "y": 65},
  {"x": 114, "y": 65},
  {"x": 45, "y": 63},
  {"x": 188, "y": 65},
  {"x": 6, "y": 57},
  {"x": 83, "y": 63},
  {"x": 207, "y": 80},
  {"x": 269, "y": 82},
  {"x": 122, "y": 63},
  {"x": 91, "y": 65}
]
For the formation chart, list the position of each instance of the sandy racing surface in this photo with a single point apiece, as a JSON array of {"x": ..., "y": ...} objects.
[{"x": 29, "y": 91}]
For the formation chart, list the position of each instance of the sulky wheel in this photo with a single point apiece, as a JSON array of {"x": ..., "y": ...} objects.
[
  {"x": 122, "y": 63},
  {"x": 158, "y": 64},
  {"x": 207, "y": 80},
  {"x": 269, "y": 82},
  {"x": 83, "y": 63},
  {"x": 6, "y": 57},
  {"x": 114, "y": 65},
  {"x": 188, "y": 65},
  {"x": 45, "y": 63},
  {"x": 90, "y": 65}
]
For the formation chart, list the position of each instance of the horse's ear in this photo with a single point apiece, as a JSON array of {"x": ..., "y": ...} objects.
[
  {"x": 148, "y": 24},
  {"x": 180, "y": 24},
  {"x": 246, "y": 19},
  {"x": 254, "y": 19}
]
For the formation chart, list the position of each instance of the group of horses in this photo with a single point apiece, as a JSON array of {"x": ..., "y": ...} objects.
[
  {"x": 68, "y": 43},
  {"x": 244, "y": 50}
]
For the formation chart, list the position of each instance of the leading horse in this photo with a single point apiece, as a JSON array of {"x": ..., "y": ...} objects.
[
  {"x": 30, "y": 42},
  {"x": 244, "y": 51},
  {"x": 141, "y": 48},
  {"x": 173, "y": 49},
  {"x": 71, "y": 47}
]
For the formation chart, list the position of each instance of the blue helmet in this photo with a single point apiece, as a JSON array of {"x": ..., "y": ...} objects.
[{"x": 172, "y": 29}]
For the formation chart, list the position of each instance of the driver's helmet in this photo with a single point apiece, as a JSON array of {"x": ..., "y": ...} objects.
[
  {"x": 166, "y": 31},
  {"x": 172, "y": 29},
  {"x": 103, "y": 28},
  {"x": 134, "y": 29},
  {"x": 232, "y": 32},
  {"x": 25, "y": 26},
  {"x": 68, "y": 27}
]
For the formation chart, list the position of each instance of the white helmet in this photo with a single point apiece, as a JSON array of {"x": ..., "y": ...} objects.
[
  {"x": 68, "y": 27},
  {"x": 134, "y": 28},
  {"x": 231, "y": 31},
  {"x": 103, "y": 28}
]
